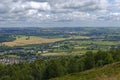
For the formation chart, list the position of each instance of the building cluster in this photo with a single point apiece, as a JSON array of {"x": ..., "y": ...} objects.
[{"x": 10, "y": 60}]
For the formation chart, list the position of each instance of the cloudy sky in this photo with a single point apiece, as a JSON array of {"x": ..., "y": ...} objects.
[{"x": 59, "y": 13}]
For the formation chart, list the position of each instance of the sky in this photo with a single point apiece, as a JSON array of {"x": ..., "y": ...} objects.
[{"x": 59, "y": 13}]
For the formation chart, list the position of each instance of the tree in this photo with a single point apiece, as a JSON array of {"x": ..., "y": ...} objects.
[
  {"x": 103, "y": 57},
  {"x": 38, "y": 69},
  {"x": 89, "y": 60},
  {"x": 54, "y": 69}
]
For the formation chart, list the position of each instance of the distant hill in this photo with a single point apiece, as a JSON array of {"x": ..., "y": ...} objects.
[{"x": 108, "y": 72}]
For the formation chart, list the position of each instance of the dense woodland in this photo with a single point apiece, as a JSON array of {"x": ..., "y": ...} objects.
[
  {"x": 6, "y": 38},
  {"x": 47, "y": 69}
]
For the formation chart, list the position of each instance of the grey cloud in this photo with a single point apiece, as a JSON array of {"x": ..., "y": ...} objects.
[
  {"x": 103, "y": 18},
  {"x": 64, "y": 20},
  {"x": 57, "y": 10},
  {"x": 81, "y": 5},
  {"x": 37, "y": 0}
]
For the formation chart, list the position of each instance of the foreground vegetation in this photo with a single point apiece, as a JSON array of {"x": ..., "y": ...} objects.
[
  {"x": 108, "y": 72},
  {"x": 60, "y": 66}
]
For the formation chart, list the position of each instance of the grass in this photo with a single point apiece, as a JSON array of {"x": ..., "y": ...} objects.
[
  {"x": 80, "y": 37},
  {"x": 22, "y": 40},
  {"x": 73, "y": 53},
  {"x": 13, "y": 56},
  {"x": 54, "y": 54},
  {"x": 80, "y": 47},
  {"x": 82, "y": 51},
  {"x": 108, "y": 72},
  {"x": 107, "y": 43},
  {"x": 102, "y": 43}
]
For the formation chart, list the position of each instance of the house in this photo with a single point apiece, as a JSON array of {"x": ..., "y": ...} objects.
[{"x": 43, "y": 51}]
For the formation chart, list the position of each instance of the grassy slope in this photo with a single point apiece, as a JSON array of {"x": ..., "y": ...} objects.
[{"x": 108, "y": 72}]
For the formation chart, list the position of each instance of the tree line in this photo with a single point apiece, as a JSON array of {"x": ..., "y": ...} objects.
[{"x": 47, "y": 69}]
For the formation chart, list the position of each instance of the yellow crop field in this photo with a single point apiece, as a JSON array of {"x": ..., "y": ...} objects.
[
  {"x": 54, "y": 54},
  {"x": 22, "y": 40}
]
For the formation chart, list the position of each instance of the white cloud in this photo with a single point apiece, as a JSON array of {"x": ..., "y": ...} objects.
[
  {"x": 32, "y": 12},
  {"x": 30, "y": 5},
  {"x": 59, "y": 10},
  {"x": 39, "y": 5},
  {"x": 115, "y": 14}
]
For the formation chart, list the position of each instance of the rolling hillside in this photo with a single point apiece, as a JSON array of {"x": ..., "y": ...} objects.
[{"x": 108, "y": 72}]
